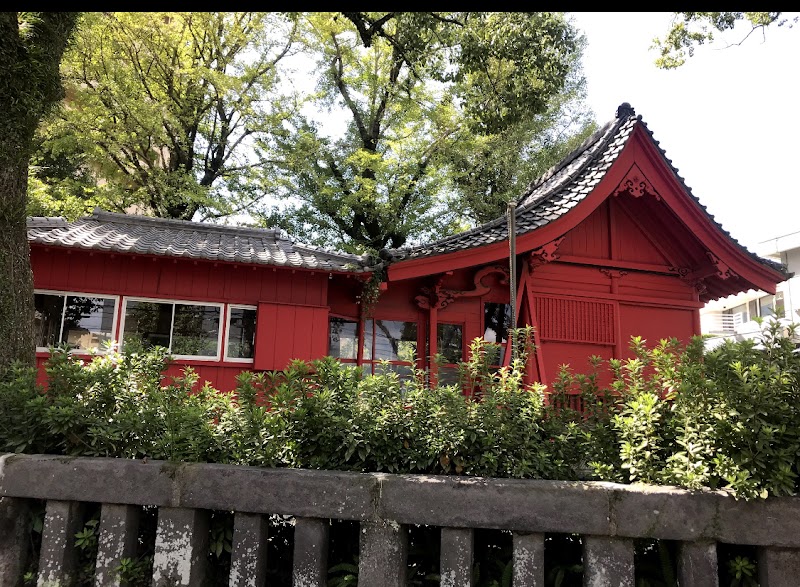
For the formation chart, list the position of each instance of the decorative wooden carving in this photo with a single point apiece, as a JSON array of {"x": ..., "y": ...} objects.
[
  {"x": 680, "y": 271},
  {"x": 723, "y": 271},
  {"x": 696, "y": 279},
  {"x": 699, "y": 285},
  {"x": 543, "y": 254},
  {"x": 613, "y": 272},
  {"x": 636, "y": 184},
  {"x": 440, "y": 297}
]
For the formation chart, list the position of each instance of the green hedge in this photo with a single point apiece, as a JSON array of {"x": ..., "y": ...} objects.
[{"x": 725, "y": 419}]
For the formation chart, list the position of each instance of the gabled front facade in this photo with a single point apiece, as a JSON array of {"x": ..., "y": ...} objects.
[{"x": 609, "y": 244}]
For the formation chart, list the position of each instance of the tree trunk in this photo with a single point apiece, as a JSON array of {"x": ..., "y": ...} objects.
[
  {"x": 31, "y": 46},
  {"x": 16, "y": 278}
]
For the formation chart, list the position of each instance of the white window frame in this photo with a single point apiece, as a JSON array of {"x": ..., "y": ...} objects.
[
  {"x": 230, "y": 307},
  {"x": 124, "y": 305},
  {"x": 66, "y": 294}
]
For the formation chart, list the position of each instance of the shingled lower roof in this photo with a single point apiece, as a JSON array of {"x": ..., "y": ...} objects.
[
  {"x": 125, "y": 233},
  {"x": 557, "y": 191}
]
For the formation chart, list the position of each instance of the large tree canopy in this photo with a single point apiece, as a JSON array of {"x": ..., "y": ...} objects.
[
  {"x": 350, "y": 130},
  {"x": 691, "y": 29},
  {"x": 444, "y": 117},
  {"x": 163, "y": 111},
  {"x": 31, "y": 46}
]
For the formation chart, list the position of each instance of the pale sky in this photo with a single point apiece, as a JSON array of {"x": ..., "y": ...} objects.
[{"x": 728, "y": 119}]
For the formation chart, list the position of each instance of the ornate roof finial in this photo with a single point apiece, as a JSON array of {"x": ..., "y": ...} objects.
[{"x": 624, "y": 110}]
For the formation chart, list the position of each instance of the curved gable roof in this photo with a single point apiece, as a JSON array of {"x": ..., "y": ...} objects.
[
  {"x": 548, "y": 198},
  {"x": 561, "y": 189}
]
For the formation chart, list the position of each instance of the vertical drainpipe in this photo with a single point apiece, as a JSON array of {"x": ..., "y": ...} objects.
[{"x": 512, "y": 271}]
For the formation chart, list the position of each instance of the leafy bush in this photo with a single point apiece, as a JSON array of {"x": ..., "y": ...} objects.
[{"x": 726, "y": 419}]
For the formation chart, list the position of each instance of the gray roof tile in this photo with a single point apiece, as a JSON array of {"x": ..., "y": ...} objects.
[{"x": 125, "y": 233}]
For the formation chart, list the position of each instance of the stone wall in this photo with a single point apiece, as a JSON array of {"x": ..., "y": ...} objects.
[{"x": 608, "y": 515}]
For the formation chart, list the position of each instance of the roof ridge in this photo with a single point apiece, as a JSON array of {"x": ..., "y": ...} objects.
[
  {"x": 277, "y": 233},
  {"x": 340, "y": 254},
  {"x": 599, "y": 140},
  {"x": 46, "y": 221},
  {"x": 570, "y": 157},
  {"x": 105, "y": 216},
  {"x": 607, "y": 132}
]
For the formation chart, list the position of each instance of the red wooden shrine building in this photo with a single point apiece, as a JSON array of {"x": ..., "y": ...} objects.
[{"x": 609, "y": 244}]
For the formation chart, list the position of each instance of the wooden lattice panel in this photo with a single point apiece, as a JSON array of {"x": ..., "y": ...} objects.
[{"x": 573, "y": 320}]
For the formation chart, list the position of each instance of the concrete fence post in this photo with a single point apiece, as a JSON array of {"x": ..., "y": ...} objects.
[
  {"x": 181, "y": 547},
  {"x": 383, "y": 554},
  {"x": 528, "y": 560},
  {"x": 58, "y": 557},
  {"x": 310, "y": 565},
  {"x": 697, "y": 564},
  {"x": 119, "y": 532},
  {"x": 14, "y": 529},
  {"x": 249, "y": 550},
  {"x": 607, "y": 562},
  {"x": 778, "y": 567},
  {"x": 457, "y": 549}
]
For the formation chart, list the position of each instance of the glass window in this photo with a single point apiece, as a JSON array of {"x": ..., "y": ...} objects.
[
  {"x": 771, "y": 305},
  {"x": 448, "y": 376},
  {"x": 241, "y": 333},
  {"x": 48, "y": 312},
  {"x": 148, "y": 323},
  {"x": 449, "y": 342},
  {"x": 343, "y": 339},
  {"x": 83, "y": 322},
  {"x": 766, "y": 306},
  {"x": 780, "y": 311},
  {"x": 391, "y": 340},
  {"x": 496, "y": 323},
  {"x": 183, "y": 329},
  {"x": 195, "y": 330},
  {"x": 450, "y": 346}
]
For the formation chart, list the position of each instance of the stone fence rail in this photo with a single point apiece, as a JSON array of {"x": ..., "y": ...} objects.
[{"x": 609, "y": 517}]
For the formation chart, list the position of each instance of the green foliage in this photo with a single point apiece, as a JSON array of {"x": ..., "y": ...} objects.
[
  {"x": 691, "y": 29},
  {"x": 724, "y": 419},
  {"x": 320, "y": 415},
  {"x": 444, "y": 118},
  {"x": 86, "y": 544},
  {"x": 721, "y": 419},
  {"x": 441, "y": 112},
  {"x": 221, "y": 535},
  {"x": 162, "y": 112},
  {"x": 743, "y": 572},
  {"x": 134, "y": 572},
  {"x": 343, "y": 574}
]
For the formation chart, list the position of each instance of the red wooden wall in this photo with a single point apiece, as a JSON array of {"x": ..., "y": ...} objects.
[
  {"x": 611, "y": 278},
  {"x": 184, "y": 279}
]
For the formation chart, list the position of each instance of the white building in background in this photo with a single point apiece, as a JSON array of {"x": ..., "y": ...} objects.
[{"x": 733, "y": 317}]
